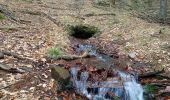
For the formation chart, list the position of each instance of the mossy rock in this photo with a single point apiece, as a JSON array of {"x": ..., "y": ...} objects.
[
  {"x": 83, "y": 31},
  {"x": 62, "y": 77},
  {"x": 59, "y": 73}
]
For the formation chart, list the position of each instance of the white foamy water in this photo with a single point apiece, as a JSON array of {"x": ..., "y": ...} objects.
[{"x": 131, "y": 89}]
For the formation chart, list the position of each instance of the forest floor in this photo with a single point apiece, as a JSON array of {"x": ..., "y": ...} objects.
[{"x": 37, "y": 26}]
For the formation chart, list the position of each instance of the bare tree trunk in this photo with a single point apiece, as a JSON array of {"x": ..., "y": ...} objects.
[{"x": 163, "y": 9}]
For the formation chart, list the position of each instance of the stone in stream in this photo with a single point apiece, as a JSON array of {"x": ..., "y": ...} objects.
[
  {"x": 1, "y": 55},
  {"x": 62, "y": 77}
]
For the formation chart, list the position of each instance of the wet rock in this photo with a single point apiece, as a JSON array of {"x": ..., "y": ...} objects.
[
  {"x": 1, "y": 55},
  {"x": 61, "y": 76}
]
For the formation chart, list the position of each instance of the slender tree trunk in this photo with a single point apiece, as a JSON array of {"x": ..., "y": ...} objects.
[{"x": 163, "y": 9}]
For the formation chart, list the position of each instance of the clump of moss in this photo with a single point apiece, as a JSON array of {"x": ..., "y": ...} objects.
[
  {"x": 150, "y": 88},
  {"x": 54, "y": 52},
  {"x": 149, "y": 91},
  {"x": 83, "y": 31},
  {"x": 2, "y": 16}
]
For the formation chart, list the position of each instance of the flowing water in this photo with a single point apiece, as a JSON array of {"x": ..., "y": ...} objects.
[{"x": 130, "y": 89}]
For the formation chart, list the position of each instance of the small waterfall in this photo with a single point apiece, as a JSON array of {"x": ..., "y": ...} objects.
[
  {"x": 127, "y": 88},
  {"x": 133, "y": 90},
  {"x": 87, "y": 48},
  {"x": 99, "y": 90},
  {"x": 81, "y": 84}
]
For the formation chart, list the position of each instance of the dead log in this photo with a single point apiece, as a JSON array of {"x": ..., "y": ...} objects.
[{"x": 151, "y": 74}]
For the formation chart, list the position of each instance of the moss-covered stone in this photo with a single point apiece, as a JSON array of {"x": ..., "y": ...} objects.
[{"x": 62, "y": 77}]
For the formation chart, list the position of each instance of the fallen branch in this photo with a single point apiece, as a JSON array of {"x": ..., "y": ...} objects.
[
  {"x": 160, "y": 84},
  {"x": 46, "y": 6},
  {"x": 7, "y": 28},
  {"x": 22, "y": 81},
  {"x": 165, "y": 94},
  {"x": 39, "y": 13},
  {"x": 7, "y": 86},
  {"x": 166, "y": 77},
  {"x": 71, "y": 15},
  {"x": 10, "y": 69},
  {"x": 151, "y": 74},
  {"x": 107, "y": 14},
  {"x": 12, "y": 54},
  {"x": 8, "y": 13},
  {"x": 69, "y": 57}
]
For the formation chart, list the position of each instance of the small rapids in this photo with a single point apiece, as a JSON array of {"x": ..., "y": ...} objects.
[
  {"x": 125, "y": 88},
  {"x": 130, "y": 89}
]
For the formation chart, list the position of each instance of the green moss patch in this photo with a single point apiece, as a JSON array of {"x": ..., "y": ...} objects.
[{"x": 2, "y": 16}]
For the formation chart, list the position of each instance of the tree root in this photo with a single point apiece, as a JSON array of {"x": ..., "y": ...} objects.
[
  {"x": 163, "y": 76},
  {"x": 39, "y": 13}
]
